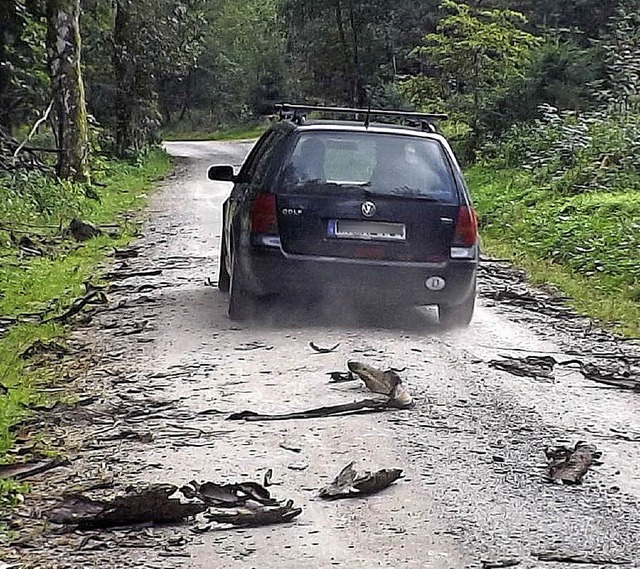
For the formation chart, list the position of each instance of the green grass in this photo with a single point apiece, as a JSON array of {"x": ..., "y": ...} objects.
[
  {"x": 240, "y": 133},
  {"x": 586, "y": 245},
  {"x": 52, "y": 282}
]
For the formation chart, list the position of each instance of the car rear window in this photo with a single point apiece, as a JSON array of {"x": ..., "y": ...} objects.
[{"x": 380, "y": 163}]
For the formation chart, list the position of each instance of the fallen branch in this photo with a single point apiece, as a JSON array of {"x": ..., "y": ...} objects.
[
  {"x": 33, "y": 130},
  {"x": 582, "y": 558},
  {"x": 323, "y": 350},
  {"x": 79, "y": 304},
  {"x": 500, "y": 563},
  {"x": 357, "y": 407},
  {"x": 529, "y": 366},
  {"x": 26, "y": 470},
  {"x": 117, "y": 275}
]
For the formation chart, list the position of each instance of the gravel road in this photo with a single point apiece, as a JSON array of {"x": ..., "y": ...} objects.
[{"x": 472, "y": 449}]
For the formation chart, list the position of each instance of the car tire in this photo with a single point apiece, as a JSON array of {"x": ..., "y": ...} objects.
[
  {"x": 224, "y": 278},
  {"x": 457, "y": 315},
  {"x": 240, "y": 300}
]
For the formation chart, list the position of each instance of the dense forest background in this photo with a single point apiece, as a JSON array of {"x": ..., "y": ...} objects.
[{"x": 203, "y": 64}]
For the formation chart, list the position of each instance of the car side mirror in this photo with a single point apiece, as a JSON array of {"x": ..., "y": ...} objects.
[{"x": 221, "y": 174}]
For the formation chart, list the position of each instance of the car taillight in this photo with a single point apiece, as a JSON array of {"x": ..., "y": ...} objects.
[
  {"x": 466, "y": 227},
  {"x": 264, "y": 216}
]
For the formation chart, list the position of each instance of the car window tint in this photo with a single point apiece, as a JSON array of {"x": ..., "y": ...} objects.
[
  {"x": 265, "y": 161},
  {"x": 381, "y": 163},
  {"x": 249, "y": 167}
]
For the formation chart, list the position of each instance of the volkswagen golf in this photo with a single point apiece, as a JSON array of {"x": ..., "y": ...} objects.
[{"x": 373, "y": 210}]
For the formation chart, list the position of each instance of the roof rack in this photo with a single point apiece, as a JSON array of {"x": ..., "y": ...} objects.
[{"x": 297, "y": 114}]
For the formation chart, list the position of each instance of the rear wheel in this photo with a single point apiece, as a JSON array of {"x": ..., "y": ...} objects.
[
  {"x": 240, "y": 300},
  {"x": 224, "y": 279},
  {"x": 457, "y": 315}
]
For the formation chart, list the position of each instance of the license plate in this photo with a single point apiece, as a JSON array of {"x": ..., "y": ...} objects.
[{"x": 372, "y": 230}]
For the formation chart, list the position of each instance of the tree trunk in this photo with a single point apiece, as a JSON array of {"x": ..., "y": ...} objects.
[
  {"x": 127, "y": 107},
  {"x": 357, "y": 94},
  {"x": 7, "y": 11},
  {"x": 63, "y": 48},
  {"x": 343, "y": 42}
]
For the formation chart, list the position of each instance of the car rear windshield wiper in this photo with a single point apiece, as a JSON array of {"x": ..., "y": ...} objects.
[{"x": 396, "y": 193}]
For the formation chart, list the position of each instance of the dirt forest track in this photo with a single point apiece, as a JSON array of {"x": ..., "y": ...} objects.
[{"x": 168, "y": 367}]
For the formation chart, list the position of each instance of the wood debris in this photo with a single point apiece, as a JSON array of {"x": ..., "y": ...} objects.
[
  {"x": 320, "y": 350},
  {"x": 386, "y": 383},
  {"x": 556, "y": 556},
  {"x": 40, "y": 347},
  {"x": 122, "y": 274},
  {"x": 251, "y": 516},
  {"x": 136, "y": 506},
  {"x": 357, "y": 407},
  {"x": 500, "y": 563},
  {"x": 341, "y": 376},
  {"x": 529, "y": 366},
  {"x": 21, "y": 471},
  {"x": 243, "y": 504},
  {"x": 570, "y": 465},
  {"x": 350, "y": 484},
  {"x": 82, "y": 231},
  {"x": 228, "y": 495}
]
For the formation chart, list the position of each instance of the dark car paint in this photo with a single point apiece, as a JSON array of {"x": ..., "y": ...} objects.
[
  {"x": 235, "y": 229},
  {"x": 331, "y": 268}
]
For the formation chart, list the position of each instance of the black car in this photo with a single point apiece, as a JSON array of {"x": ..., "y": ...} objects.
[{"x": 370, "y": 210}]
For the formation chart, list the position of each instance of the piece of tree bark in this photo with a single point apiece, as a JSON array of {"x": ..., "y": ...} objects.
[
  {"x": 143, "y": 505},
  {"x": 569, "y": 466},
  {"x": 26, "y": 470},
  {"x": 349, "y": 484},
  {"x": 364, "y": 406},
  {"x": 256, "y": 516},
  {"x": 580, "y": 558},
  {"x": 63, "y": 48}
]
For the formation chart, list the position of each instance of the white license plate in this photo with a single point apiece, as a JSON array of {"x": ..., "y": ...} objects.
[{"x": 372, "y": 230}]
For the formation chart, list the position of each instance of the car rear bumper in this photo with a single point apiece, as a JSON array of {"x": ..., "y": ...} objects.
[{"x": 270, "y": 271}]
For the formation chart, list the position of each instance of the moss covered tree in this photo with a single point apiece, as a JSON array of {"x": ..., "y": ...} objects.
[{"x": 71, "y": 127}]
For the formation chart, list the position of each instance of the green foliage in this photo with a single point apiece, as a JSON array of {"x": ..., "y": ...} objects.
[
  {"x": 588, "y": 244},
  {"x": 24, "y": 80},
  {"x": 50, "y": 283},
  {"x": 620, "y": 46},
  {"x": 574, "y": 153},
  {"x": 560, "y": 74},
  {"x": 472, "y": 54},
  {"x": 11, "y": 495},
  {"x": 241, "y": 69},
  {"x": 349, "y": 51}
]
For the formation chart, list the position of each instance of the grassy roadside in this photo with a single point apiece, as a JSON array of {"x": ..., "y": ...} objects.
[
  {"x": 52, "y": 281},
  {"x": 587, "y": 245},
  {"x": 178, "y": 134}
]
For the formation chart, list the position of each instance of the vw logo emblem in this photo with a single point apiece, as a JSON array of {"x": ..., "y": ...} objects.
[{"x": 368, "y": 209}]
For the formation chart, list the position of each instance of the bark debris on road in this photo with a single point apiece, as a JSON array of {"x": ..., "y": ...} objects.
[{"x": 166, "y": 368}]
